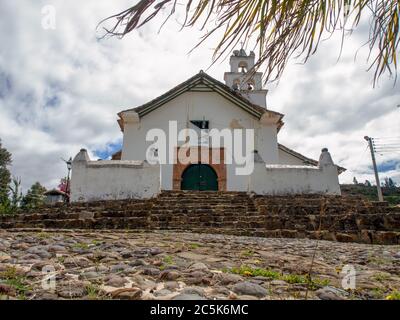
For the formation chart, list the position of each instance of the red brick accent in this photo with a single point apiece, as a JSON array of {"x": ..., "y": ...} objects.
[
  {"x": 117, "y": 155},
  {"x": 216, "y": 155}
]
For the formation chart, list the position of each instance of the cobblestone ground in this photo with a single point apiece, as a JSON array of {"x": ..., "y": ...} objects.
[{"x": 168, "y": 265}]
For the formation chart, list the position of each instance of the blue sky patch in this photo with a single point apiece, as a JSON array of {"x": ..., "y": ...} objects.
[
  {"x": 52, "y": 101},
  {"x": 5, "y": 85},
  {"x": 109, "y": 150},
  {"x": 388, "y": 165}
]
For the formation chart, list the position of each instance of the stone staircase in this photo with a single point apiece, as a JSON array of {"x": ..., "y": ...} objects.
[
  {"x": 195, "y": 211},
  {"x": 338, "y": 218}
]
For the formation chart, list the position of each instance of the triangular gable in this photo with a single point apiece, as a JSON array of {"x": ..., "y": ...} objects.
[{"x": 202, "y": 82}]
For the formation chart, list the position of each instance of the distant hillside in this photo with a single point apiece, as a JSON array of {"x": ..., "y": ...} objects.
[{"x": 391, "y": 195}]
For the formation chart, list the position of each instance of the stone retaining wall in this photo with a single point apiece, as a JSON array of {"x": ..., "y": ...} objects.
[{"x": 335, "y": 218}]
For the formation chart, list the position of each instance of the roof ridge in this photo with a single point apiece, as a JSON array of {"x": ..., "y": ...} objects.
[
  {"x": 304, "y": 158},
  {"x": 143, "y": 109}
]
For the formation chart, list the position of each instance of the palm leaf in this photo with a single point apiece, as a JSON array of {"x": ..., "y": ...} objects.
[{"x": 281, "y": 29}]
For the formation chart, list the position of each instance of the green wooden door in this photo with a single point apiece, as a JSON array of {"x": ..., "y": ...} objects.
[{"x": 199, "y": 177}]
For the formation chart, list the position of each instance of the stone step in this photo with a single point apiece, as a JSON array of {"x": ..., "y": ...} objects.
[
  {"x": 200, "y": 207},
  {"x": 316, "y": 202},
  {"x": 195, "y": 200},
  {"x": 313, "y": 209},
  {"x": 197, "y": 203},
  {"x": 343, "y": 219}
]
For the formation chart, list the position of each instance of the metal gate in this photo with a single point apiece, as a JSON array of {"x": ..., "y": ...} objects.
[{"x": 200, "y": 177}]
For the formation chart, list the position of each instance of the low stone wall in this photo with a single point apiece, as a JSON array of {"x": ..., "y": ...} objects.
[
  {"x": 117, "y": 179},
  {"x": 281, "y": 179},
  {"x": 129, "y": 179}
]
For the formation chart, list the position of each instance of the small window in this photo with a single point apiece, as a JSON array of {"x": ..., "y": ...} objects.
[
  {"x": 202, "y": 124},
  {"x": 243, "y": 66}
]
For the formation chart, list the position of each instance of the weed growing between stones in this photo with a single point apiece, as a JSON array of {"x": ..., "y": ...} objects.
[
  {"x": 167, "y": 261},
  {"x": 377, "y": 293},
  {"x": 194, "y": 246},
  {"x": 43, "y": 235},
  {"x": 381, "y": 277},
  {"x": 96, "y": 242},
  {"x": 61, "y": 259},
  {"x": 377, "y": 261},
  {"x": 11, "y": 277},
  {"x": 394, "y": 295},
  {"x": 247, "y": 253},
  {"x": 81, "y": 245},
  {"x": 248, "y": 271},
  {"x": 254, "y": 272},
  {"x": 93, "y": 292}
]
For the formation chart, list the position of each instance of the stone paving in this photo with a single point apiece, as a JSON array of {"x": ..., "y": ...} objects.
[{"x": 188, "y": 266}]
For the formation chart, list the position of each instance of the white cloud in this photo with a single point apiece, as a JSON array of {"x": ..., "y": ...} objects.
[{"x": 61, "y": 89}]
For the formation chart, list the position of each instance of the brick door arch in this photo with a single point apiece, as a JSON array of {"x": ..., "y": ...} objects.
[{"x": 213, "y": 153}]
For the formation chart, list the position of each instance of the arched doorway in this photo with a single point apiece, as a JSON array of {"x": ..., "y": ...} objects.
[{"x": 200, "y": 177}]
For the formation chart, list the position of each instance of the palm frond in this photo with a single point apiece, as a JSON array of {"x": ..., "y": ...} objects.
[{"x": 281, "y": 28}]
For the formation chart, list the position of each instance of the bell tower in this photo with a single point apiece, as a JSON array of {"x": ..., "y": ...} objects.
[{"x": 241, "y": 78}]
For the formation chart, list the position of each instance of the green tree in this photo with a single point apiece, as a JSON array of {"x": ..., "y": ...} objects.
[
  {"x": 281, "y": 28},
  {"x": 389, "y": 183},
  {"x": 34, "y": 197},
  {"x": 16, "y": 194},
  {"x": 5, "y": 176},
  {"x": 13, "y": 202}
]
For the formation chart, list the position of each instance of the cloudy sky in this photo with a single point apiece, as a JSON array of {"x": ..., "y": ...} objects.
[{"x": 60, "y": 90}]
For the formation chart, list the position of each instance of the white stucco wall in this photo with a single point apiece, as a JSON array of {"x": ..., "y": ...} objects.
[
  {"x": 113, "y": 180},
  {"x": 221, "y": 114},
  {"x": 125, "y": 179},
  {"x": 288, "y": 179}
]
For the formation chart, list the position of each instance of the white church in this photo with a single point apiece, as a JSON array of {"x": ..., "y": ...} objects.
[{"x": 217, "y": 137}]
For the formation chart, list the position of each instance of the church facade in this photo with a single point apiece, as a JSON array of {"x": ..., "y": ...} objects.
[{"x": 204, "y": 135}]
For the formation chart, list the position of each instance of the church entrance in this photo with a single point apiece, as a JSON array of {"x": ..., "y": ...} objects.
[{"x": 200, "y": 177}]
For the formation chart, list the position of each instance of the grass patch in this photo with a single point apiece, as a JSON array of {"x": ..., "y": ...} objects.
[
  {"x": 378, "y": 261},
  {"x": 394, "y": 295},
  {"x": 96, "y": 242},
  {"x": 93, "y": 292},
  {"x": 194, "y": 245},
  {"x": 168, "y": 260},
  {"x": 18, "y": 282},
  {"x": 377, "y": 293},
  {"x": 247, "y": 271},
  {"x": 381, "y": 277},
  {"x": 254, "y": 272},
  {"x": 43, "y": 235},
  {"x": 247, "y": 253},
  {"x": 81, "y": 245}
]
